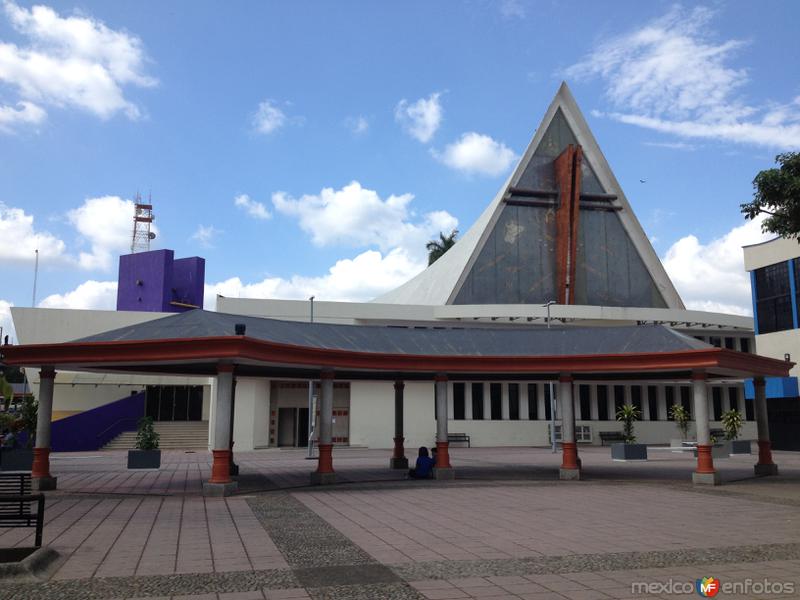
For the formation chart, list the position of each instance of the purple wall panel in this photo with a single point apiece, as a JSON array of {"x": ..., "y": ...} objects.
[
  {"x": 93, "y": 429},
  {"x": 188, "y": 279},
  {"x": 144, "y": 281}
]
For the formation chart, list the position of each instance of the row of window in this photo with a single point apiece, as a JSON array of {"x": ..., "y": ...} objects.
[{"x": 681, "y": 395}]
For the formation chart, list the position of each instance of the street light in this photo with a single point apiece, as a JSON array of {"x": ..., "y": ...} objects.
[{"x": 552, "y": 395}]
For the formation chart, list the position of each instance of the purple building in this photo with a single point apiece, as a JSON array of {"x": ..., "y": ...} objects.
[{"x": 156, "y": 282}]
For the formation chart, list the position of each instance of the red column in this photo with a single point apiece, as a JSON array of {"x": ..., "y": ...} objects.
[
  {"x": 569, "y": 448},
  {"x": 221, "y": 466},
  {"x": 765, "y": 465},
  {"x": 442, "y": 445},
  {"x": 399, "y": 449}
]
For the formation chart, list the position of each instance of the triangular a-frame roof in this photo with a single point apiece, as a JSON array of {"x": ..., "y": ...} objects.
[{"x": 617, "y": 265}]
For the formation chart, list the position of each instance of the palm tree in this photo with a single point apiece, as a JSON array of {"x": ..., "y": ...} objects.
[{"x": 436, "y": 248}]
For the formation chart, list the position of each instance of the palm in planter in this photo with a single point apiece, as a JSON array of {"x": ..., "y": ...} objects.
[
  {"x": 147, "y": 455},
  {"x": 732, "y": 423},
  {"x": 681, "y": 417},
  {"x": 630, "y": 450}
]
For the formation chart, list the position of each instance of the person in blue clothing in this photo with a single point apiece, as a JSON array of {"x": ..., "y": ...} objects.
[{"x": 422, "y": 470}]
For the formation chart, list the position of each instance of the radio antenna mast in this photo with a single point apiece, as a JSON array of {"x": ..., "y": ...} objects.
[{"x": 142, "y": 220}]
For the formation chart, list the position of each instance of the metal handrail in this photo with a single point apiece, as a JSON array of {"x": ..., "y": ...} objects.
[{"x": 115, "y": 423}]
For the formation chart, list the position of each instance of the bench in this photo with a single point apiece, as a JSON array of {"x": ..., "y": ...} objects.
[
  {"x": 459, "y": 437},
  {"x": 611, "y": 436},
  {"x": 16, "y": 504}
]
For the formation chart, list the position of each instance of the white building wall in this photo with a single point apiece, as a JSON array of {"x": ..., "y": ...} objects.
[{"x": 251, "y": 414}]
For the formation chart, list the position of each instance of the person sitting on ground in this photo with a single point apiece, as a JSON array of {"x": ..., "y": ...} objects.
[{"x": 422, "y": 469}]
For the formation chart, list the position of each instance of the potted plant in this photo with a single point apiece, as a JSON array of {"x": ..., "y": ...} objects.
[
  {"x": 19, "y": 435},
  {"x": 629, "y": 450},
  {"x": 732, "y": 423},
  {"x": 682, "y": 418},
  {"x": 147, "y": 455}
]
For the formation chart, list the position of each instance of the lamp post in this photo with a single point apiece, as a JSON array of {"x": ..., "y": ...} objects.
[
  {"x": 311, "y": 394},
  {"x": 552, "y": 395}
]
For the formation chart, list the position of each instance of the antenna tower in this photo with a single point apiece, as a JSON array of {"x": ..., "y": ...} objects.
[{"x": 142, "y": 220}]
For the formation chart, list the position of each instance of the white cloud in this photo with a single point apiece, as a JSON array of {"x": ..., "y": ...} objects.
[
  {"x": 269, "y": 117},
  {"x": 99, "y": 295},
  {"x": 106, "y": 224},
  {"x": 19, "y": 239},
  {"x": 477, "y": 153},
  {"x": 512, "y": 9},
  {"x": 357, "y": 125},
  {"x": 671, "y": 76},
  {"x": 255, "y": 209},
  {"x": 26, "y": 112},
  {"x": 420, "y": 119},
  {"x": 6, "y": 322},
  {"x": 671, "y": 145},
  {"x": 357, "y": 216},
  {"x": 362, "y": 278},
  {"x": 711, "y": 276},
  {"x": 205, "y": 235},
  {"x": 69, "y": 62}
]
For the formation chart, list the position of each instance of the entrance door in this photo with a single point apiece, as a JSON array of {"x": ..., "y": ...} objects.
[
  {"x": 286, "y": 426},
  {"x": 302, "y": 427}
]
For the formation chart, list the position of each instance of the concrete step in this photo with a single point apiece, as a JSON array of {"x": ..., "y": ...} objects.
[{"x": 172, "y": 435}]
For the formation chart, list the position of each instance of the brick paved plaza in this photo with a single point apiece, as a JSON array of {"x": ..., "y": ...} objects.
[{"x": 506, "y": 528}]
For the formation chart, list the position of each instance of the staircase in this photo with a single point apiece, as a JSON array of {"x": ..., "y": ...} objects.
[{"x": 172, "y": 434}]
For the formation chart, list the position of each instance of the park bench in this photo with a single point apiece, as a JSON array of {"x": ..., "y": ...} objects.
[
  {"x": 16, "y": 504},
  {"x": 459, "y": 437},
  {"x": 611, "y": 436}
]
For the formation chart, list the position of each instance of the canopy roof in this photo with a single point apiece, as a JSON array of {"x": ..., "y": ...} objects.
[{"x": 198, "y": 341}]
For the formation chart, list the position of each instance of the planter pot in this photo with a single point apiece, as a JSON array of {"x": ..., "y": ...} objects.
[
  {"x": 144, "y": 459},
  {"x": 16, "y": 459},
  {"x": 628, "y": 452},
  {"x": 740, "y": 447}
]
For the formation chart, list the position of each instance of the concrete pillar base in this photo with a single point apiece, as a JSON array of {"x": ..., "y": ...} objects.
[
  {"x": 219, "y": 489},
  {"x": 765, "y": 470},
  {"x": 42, "y": 484},
  {"x": 444, "y": 473},
  {"x": 569, "y": 474},
  {"x": 398, "y": 463},
  {"x": 323, "y": 478},
  {"x": 706, "y": 478}
]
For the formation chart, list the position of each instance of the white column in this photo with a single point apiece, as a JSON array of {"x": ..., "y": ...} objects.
[
  {"x": 593, "y": 409},
  {"x": 468, "y": 400},
  {"x": 700, "y": 398},
  {"x": 487, "y": 402},
  {"x": 440, "y": 393},
  {"x": 222, "y": 411},
  {"x": 567, "y": 403},
  {"x": 524, "y": 413},
  {"x": 504, "y": 410},
  {"x": 44, "y": 415},
  {"x": 326, "y": 410},
  {"x": 541, "y": 411},
  {"x": 450, "y": 410},
  {"x": 645, "y": 396},
  {"x": 612, "y": 407},
  {"x": 662, "y": 402}
]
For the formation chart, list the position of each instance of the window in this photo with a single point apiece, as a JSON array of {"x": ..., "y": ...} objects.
[
  {"x": 602, "y": 402},
  {"x": 715, "y": 341},
  {"x": 733, "y": 398},
  {"x": 773, "y": 298},
  {"x": 730, "y": 343},
  {"x": 458, "y": 401},
  {"x": 686, "y": 398},
  {"x": 477, "y": 401},
  {"x": 670, "y": 396},
  {"x": 586, "y": 402},
  {"x": 513, "y": 401},
  {"x": 636, "y": 399},
  {"x": 619, "y": 398},
  {"x": 744, "y": 344},
  {"x": 716, "y": 395},
  {"x": 652, "y": 401},
  {"x": 496, "y": 400},
  {"x": 749, "y": 412},
  {"x": 533, "y": 401}
]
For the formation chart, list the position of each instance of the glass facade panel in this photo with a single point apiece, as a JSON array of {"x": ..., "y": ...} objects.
[
  {"x": 477, "y": 401},
  {"x": 513, "y": 401},
  {"x": 602, "y": 402},
  {"x": 584, "y": 393},
  {"x": 669, "y": 393},
  {"x": 733, "y": 399},
  {"x": 686, "y": 398},
  {"x": 652, "y": 401},
  {"x": 773, "y": 298},
  {"x": 716, "y": 395},
  {"x": 619, "y": 398},
  {"x": 636, "y": 399},
  {"x": 533, "y": 401},
  {"x": 458, "y": 401},
  {"x": 496, "y": 401}
]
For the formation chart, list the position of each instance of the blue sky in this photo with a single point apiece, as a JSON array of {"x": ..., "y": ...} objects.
[{"x": 313, "y": 148}]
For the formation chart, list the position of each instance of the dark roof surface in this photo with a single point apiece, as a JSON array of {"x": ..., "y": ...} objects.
[{"x": 521, "y": 341}]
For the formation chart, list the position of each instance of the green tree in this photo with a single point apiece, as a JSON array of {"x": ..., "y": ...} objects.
[
  {"x": 28, "y": 417},
  {"x": 681, "y": 417},
  {"x": 732, "y": 423},
  {"x": 7, "y": 392},
  {"x": 436, "y": 248},
  {"x": 627, "y": 414},
  {"x": 146, "y": 436},
  {"x": 777, "y": 194}
]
